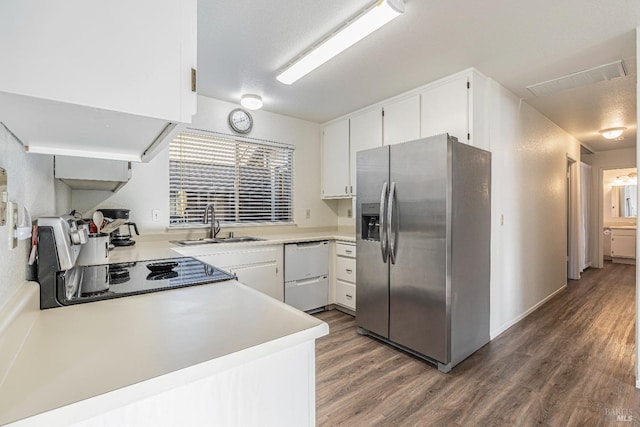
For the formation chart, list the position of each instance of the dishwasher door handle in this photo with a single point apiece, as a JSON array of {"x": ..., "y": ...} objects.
[
  {"x": 310, "y": 244},
  {"x": 305, "y": 282}
]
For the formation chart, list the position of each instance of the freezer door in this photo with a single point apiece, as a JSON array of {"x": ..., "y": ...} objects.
[
  {"x": 418, "y": 277},
  {"x": 372, "y": 269}
]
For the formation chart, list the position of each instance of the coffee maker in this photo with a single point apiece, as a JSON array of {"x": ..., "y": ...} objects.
[{"x": 122, "y": 235}]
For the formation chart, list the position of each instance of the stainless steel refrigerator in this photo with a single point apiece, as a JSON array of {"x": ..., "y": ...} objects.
[{"x": 423, "y": 223}]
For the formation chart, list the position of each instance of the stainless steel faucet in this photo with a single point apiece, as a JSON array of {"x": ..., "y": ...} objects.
[{"x": 215, "y": 224}]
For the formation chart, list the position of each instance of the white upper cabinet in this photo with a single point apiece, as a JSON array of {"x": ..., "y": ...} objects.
[
  {"x": 335, "y": 160},
  {"x": 118, "y": 60},
  {"x": 366, "y": 132},
  {"x": 402, "y": 120},
  {"x": 457, "y": 106},
  {"x": 445, "y": 109}
]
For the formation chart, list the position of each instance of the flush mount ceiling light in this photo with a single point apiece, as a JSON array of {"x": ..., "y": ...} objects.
[
  {"x": 629, "y": 179},
  {"x": 612, "y": 133},
  {"x": 252, "y": 102},
  {"x": 348, "y": 34}
]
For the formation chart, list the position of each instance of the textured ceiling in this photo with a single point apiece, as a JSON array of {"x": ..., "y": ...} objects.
[{"x": 242, "y": 44}]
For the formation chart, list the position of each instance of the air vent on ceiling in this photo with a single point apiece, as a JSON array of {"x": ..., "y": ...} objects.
[
  {"x": 585, "y": 150},
  {"x": 580, "y": 78}
]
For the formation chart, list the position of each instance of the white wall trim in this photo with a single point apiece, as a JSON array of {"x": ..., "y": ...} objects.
[{"x": 504, "y": 327}]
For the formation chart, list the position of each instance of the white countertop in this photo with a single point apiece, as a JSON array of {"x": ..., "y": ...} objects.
[
  {"x": 134, "y": 346},
  {"x": 78, "y": 352},
  {"x": 622, "y": 227},
  {"x": 160, "y": 246}
]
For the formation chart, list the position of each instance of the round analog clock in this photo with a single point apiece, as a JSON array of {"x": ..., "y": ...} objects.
[{"x": 240, "y": 120}]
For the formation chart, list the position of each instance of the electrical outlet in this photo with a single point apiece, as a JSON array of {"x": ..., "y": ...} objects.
[
  {"x": 348, "y": 213},
  {"x": 155, "y": 215},
  {"x": 308, "y": 214}
]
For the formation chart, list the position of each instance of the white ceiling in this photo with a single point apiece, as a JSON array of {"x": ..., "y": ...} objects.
[{"x": 243, "y": 43}]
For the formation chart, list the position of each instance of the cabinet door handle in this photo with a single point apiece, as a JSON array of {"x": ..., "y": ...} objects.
[
  {"x": 346, "y": 187},
  {"x": 348, "y": 296},
  {"x": 348, "y": 251},
  {"x": 349, "y": 270}
]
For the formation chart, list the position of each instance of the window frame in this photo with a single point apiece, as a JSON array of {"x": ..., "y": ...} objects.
[{"x": 173, "y": 224}]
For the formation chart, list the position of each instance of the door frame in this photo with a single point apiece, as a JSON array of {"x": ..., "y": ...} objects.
[{"x": 573, "y": 218}]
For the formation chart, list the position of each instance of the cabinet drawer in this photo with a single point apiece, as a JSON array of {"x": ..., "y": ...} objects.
[
  {"x": 346, "y": 294},
  {"x": 346, "y": 269},
  {"x": 344, "y": 249}
]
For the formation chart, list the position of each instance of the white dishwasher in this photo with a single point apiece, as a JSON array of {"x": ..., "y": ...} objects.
[{"x": 306, "y": 275}]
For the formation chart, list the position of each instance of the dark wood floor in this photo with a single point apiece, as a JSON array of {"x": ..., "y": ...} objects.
[{"x": 571, "y": 362}]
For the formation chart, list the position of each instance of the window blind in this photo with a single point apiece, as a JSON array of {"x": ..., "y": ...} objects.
[{"x": 246, "y": 181}]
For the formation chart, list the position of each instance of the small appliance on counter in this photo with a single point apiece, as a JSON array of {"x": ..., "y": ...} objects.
[
  {"x": 59, "y": 244},
  {"x": 63, "y": 281},
  {"x": 118, "y": 219}
]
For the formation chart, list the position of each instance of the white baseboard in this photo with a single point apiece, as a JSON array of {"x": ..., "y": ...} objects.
[{"x": 501, "y": 329}]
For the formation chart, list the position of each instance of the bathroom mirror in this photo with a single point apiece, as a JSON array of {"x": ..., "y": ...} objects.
[
  {"x": 627, "y": 200},
  {"x": 4, "y": 197}
]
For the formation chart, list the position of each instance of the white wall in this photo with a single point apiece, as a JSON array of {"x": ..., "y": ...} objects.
[
  {"x": 528, "y": 251},
  {"x": 611, "y": 159},
  {"x": 149, "y": 186},
  {"x": 31, "y": 184}
]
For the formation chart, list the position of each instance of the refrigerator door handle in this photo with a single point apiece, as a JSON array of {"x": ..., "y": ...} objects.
[
  {"x": 392, "y": 234},
  {"x": 383, "y": 230}
]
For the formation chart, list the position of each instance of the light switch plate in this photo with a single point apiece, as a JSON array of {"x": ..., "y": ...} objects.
[{"x": 12, "y": 222}]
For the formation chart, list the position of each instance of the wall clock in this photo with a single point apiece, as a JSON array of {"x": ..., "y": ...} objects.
[{"x": 240, "y": 121}]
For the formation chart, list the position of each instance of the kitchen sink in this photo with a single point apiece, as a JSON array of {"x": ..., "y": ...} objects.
[{"x": 208, "y": 240}]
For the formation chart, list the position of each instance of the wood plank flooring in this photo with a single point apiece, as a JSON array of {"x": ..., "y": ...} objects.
[{"x": 570, "y": 363}]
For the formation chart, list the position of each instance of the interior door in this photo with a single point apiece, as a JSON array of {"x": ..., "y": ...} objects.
[
  {"x": 418, "y": 278},
  {"x": 372, "y": 271}
]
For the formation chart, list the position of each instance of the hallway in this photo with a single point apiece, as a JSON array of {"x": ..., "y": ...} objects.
[{"x": 571, "y": 362}]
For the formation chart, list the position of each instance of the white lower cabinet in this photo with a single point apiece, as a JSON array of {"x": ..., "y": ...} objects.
[
  {"x": 262, "y": 277},
  {"x": 623, "y": 243},
  {"x": 258, "y": 267},
  {"x": 345, "y": 275}
]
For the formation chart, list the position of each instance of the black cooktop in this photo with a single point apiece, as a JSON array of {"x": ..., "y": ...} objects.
[{"x": 98, "y": 282}]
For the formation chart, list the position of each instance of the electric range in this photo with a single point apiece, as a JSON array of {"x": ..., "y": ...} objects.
[{"x": 82, "y": 284}]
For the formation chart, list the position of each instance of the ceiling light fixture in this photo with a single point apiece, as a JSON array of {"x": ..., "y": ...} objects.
[
  {"x": 629, "y": 179},
  {"x": 252, "y": 102},
  {"x": 612, "y": 133},
  {"x": 348, "y": 34}
]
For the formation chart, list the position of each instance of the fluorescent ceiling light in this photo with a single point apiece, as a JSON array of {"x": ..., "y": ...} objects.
[
  {"x": 351, "y": 32},
  {"x": 612, "y": 133},
  {"x": 252, "y": 102}
]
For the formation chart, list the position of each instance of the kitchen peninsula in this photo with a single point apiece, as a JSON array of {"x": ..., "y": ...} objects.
[{"x": 216, "y": 354}]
